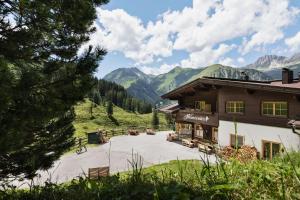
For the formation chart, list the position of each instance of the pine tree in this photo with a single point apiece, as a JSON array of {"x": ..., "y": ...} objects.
[
  {"x": 109, "y": 91},
  {"x": 42, "y": 77},
  {"x": 155, "y": 120},
  {"x": 109, "y": 109}
]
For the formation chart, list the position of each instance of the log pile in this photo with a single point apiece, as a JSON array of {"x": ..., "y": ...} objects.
[{"x": 244, "y": 154}]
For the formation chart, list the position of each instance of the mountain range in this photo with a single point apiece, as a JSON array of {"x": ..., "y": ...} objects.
[{"x": 150, "y": 87}]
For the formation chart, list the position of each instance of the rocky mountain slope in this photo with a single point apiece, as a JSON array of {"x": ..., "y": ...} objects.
[
  {"x": 272, "y": 64},
  {"x": 267, "y": 62}
]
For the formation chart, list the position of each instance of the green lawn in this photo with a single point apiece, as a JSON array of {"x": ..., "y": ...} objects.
[{"x": 122, "y": 119}]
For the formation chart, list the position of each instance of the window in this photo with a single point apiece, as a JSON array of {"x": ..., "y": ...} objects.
[
  {"x": 270, "y": 149},
  {"x": 182, "y": 128},
  {"x": 200, "y": 105},
  {"x": 235, "y": 107},
  {"x": 279, "y": 109},
  {"x": 240, "y": 140}
]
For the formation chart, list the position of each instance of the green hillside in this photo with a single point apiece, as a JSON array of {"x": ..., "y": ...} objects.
[
  {"x": 123, "y": 119},
  {"x": 136, "y": 82},
  {"x": 127, "y": 76},
  {"x": 174, "y": 78},
  {"x": 143, "y": 91},
  {"x": 222, "y": 71}
]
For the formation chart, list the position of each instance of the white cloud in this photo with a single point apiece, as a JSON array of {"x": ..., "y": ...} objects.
[
  {"x": 201, "y": 30},
  {"x": 119, "y": 31},
  {"x": 227, "y": 62},
  {"x": 165, "y": 68},
  {"x": 293, "y": 42},
  {"x": 241, "y": 60},
  {"x": 207, "y": 56},
  {"x": 261, "y": 20},
  {"x": 273, "y": 17}
]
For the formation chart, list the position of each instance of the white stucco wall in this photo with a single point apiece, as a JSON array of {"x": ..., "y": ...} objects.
[{"x": 254, "y": 134}]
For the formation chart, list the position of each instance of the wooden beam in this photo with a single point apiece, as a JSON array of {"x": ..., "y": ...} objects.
[
  {"x": 188, "y": 93},
  {"x": 250, "y": 91},
  {"x": 199, "y": 86}
]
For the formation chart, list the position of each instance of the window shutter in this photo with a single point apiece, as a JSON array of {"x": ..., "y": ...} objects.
[
  {"x": 232, "y": 140},
  {"x": 240, "y": 141}
]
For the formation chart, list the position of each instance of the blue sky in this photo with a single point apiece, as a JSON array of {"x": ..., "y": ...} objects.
[{"x": 156, "y": 36}]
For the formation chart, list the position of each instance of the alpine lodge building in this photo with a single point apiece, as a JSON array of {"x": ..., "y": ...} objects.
[{"x": 264, "y": 114}]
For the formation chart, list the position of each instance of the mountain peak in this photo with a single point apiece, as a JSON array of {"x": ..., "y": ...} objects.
[
  {"x": 127, "y": 76},
  {"x": 175, "y": 69},
  {"x": 268, "y": 61},
  {"x": 295, "y": 58}
]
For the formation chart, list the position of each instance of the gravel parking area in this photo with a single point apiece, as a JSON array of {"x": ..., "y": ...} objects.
[{"x": 153, "y": 149}]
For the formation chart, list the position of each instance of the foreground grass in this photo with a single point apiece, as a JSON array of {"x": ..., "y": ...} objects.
[
  {"x": 122, "y": 119},
  {"x": 278, "y": 179}
]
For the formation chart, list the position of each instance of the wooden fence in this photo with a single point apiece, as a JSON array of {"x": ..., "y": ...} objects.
[{"x": 122, "y": 131}]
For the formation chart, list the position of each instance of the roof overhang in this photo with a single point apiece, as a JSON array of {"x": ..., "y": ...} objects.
[
  {"x": 215, "y": 83},
  {"x": 170, "y": 109}
]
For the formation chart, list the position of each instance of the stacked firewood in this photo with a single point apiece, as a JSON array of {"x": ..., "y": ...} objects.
[{"x": 244, "y": 154}]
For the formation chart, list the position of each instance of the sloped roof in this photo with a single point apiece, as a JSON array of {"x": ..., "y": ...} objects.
[{"x": 275, "y": 86}]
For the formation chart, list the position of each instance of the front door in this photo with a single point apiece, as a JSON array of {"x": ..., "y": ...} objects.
[
  {"x": 270, "y": 149},
  {"x": 207, "y": 132},
  {"x": 198, "y": 131}
]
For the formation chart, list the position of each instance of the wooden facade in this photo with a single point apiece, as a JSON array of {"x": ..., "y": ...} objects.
[{"x": 250, "y": 94}]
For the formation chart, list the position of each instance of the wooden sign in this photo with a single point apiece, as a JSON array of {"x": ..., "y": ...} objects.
[{"x": 198, "y": 118}]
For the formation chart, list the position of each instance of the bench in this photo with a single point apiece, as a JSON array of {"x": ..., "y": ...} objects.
[
  {"x": 187, "y": 142},
  {"x": 206, "y": 148},
  {"x": 95, "y": 173}
]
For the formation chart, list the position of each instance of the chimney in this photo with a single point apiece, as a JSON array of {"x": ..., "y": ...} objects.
[
  {"x": 244, "y": 76},
  {"x": 287, "y": 76}
]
